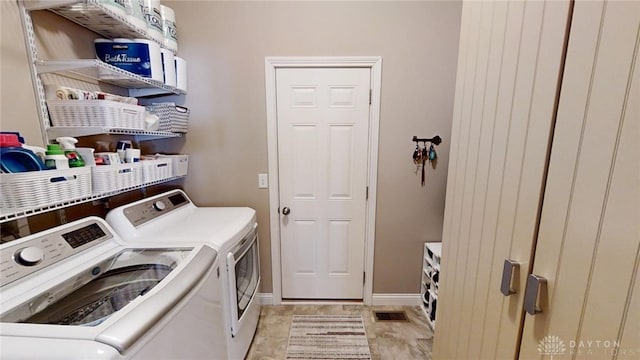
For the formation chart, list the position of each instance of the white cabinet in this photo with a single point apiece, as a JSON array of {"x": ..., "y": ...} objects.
[
  {"x": 430, "y": 279},
  {"x": 544, "y": 175}
]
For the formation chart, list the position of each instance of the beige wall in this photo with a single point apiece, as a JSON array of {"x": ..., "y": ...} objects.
[
  {"x": 17, "y": 100},
  {"x": 225, "y": 44}
]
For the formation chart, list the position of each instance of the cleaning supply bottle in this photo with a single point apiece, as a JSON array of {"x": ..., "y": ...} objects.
[
  {"x": 14, "y": 158},
  {"x": 69, "y": 146},
  {"x": 55, "y": 158}
]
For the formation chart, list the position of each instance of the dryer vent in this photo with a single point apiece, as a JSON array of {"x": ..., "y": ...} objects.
[{"x": 390, "y": 316}]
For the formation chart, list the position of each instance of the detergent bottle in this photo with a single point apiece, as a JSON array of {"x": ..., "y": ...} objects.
[
  {"x": 15, "y": 158},
  {"x": 69, "y": 146}
]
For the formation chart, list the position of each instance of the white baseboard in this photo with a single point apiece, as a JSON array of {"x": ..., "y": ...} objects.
[
  {"x": 396, "y": 299},
  {"x": 265, "y": 298},
  {"x": 377, "y": 299}
]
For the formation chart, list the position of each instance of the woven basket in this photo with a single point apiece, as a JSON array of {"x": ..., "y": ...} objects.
[
  {"x": 173, "y": 118},
  {"x": 154, "y": 170},
  {"x": 180, "y": 164},
  {"x": 96, "y": 113},
  {"x": 108, "y": 178},
  {"x": 42, "y": 188}
]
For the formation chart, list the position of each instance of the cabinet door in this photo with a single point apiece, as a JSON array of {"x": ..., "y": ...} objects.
[
  {"x": 589, "y": 238},
  {"x": 509, "y": 66}
]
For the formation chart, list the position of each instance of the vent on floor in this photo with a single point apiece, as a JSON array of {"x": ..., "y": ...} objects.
[{"x": 390, "y": 316}]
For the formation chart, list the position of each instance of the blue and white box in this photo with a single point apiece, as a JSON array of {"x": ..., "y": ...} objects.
[{"x": 141, "y": 57}]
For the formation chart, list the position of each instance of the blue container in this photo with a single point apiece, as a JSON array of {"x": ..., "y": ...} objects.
[
  {"x": 17, "y": 159},
  {"x": 129, "y": 56}
]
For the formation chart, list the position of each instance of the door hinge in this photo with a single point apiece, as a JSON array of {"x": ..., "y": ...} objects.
[
  {"x": 370, "y": 95},
  {"x": 367, "y": 194},
  {"x": 364, "y": 276}
]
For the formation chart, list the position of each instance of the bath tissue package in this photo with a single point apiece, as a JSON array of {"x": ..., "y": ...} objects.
[
  {"x": 115, "y": 6},
  {"x": 181, "y": 73},
  {"x": 139, "y": 56},
  {"x": 135, "y": 13},
  {"x": 154, "y": 20},
  {"x": 169, "y": 28},
  {"x": 169, "y": 67}
]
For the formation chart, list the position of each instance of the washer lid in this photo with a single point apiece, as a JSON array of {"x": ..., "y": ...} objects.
[
  {"x": 96, "y": 293},
  {"x": 116, "y": 300}
]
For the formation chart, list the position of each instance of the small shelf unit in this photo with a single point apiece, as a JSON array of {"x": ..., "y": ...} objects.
[
  {"x": 430, "y": 278},
  {"x": 93, "y": 15},
  {"x": 99, "y": 18}
]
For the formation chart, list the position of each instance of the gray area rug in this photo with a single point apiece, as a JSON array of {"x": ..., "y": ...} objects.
[{"x": 327, "y": 337}]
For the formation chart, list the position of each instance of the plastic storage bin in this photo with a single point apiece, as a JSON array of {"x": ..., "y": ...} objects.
[
  {"x": 96, "y": 113},
  {"x": 180, "y": 164},
  {"x": 42, "y": 188},
  {"x": 173, "y": 118},
  {"x": 109, "y": 178},
  {"x": 154, "y": 170}
]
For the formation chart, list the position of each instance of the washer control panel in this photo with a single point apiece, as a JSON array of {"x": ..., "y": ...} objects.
[
  {"x": 146, "y": 211},
  {"x": 25, "y": 256}
]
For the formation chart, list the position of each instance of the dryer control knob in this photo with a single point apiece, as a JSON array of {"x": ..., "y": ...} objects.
[
  {"x": 29, "y": 256},
  {"x": 159, "y": 205}
]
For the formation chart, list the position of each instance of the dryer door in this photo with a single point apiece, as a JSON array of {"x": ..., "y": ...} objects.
[{"x": 244, "y": 275}]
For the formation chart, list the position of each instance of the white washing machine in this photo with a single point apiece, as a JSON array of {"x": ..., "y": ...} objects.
[
  {"x": 172, "y": 216},
  {"x": 78, "y": 291}
]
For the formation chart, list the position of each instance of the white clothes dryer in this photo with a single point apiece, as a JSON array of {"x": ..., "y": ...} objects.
[
  {"x": 229, "y": 230},
  {"x": 78, "y": 291}
]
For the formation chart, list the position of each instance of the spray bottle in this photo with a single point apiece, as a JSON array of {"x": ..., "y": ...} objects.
[{"x": 69, "y": 147}]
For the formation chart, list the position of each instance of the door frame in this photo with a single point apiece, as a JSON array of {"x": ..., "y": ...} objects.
[{"x": 374, "y": 63}]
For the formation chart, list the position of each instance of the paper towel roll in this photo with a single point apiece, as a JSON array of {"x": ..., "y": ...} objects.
[
  {"x": 135, "y": 13},
  {"x": 169, "y": 67},
  {"x": 181, "y": 73},
  {"x": 155, "y": 58},
  {"x": 67, "y": 93},
  {"x": 169, "y": 28},
  {"x": 154, "y": 20}
]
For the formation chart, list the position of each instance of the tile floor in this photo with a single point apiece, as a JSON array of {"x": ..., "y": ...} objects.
[{"x": 387, "y": 339}]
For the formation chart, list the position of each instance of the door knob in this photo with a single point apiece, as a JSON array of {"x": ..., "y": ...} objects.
[{"x": 286, "y": 211}]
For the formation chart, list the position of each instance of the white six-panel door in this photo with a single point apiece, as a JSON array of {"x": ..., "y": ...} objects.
[{"x": 323, "y": 121}]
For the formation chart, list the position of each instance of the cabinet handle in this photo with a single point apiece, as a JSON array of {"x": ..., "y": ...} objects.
[
  {"x": 534, "y": 283},
  {"x": 508, "y": 269}
]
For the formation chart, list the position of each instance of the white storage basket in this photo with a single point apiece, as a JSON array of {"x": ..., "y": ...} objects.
[
  {"x": 96, "y": 113},
  {"x": 107, "y": 178},
  {"x": 42, "y": 188},
  {"x": 173, "y": 118},
  {"x": 154, "y": 170},
  {"x": 180, "y": 163}
]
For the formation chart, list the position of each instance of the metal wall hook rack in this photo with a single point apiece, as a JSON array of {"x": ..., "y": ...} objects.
[{"x": 436, "y": 140}]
